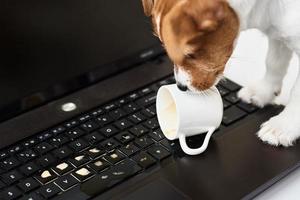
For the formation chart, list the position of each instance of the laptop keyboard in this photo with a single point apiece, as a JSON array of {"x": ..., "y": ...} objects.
[{"x": 111, "y": 143}]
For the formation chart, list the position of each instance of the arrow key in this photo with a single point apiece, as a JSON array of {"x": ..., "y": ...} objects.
[{"x": 66, "y": 182}]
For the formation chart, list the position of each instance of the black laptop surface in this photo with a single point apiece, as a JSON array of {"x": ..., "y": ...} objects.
[{"x": 78, "y": 83}]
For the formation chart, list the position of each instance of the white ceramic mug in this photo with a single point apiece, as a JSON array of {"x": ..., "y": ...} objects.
[{"x": 182, "y": 114}]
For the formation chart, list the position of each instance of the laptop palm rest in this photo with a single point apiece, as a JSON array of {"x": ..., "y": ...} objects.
[{"x": 158, "y": 190}]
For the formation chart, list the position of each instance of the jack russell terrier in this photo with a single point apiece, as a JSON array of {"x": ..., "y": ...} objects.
[{"x": 199, "y": 37}]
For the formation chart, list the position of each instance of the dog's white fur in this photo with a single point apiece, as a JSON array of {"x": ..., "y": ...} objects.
[{"x": 280, "y": 21}]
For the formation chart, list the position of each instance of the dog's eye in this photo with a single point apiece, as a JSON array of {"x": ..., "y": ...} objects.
[{"x": 190, "y": 56}]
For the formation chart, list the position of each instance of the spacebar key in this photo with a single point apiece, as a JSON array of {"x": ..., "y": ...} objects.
[
  {"x": 109, "y": 178},
  {"x": 75, "y": 194}
]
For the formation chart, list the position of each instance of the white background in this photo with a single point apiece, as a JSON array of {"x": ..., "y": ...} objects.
[{"x": 248, "y": 64}]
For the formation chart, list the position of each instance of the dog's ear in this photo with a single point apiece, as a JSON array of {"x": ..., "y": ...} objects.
[
  {"x": 206, "y": 14},
  {"x": 148, "y": 6}
]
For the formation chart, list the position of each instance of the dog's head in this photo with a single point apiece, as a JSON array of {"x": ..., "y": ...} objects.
[{"x": 198, "y": 35}]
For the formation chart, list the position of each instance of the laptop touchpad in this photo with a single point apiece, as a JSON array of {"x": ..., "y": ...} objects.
[{"x": 158, "y": 190}]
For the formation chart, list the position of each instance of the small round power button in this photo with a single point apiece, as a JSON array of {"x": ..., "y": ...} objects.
[{"x": 68, "y": 107}]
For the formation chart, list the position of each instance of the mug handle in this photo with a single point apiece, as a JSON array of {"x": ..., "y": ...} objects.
[{"x": 199, "y": 150}]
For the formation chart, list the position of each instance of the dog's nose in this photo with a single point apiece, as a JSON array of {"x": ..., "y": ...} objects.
[{"x": 182, "y": 87}]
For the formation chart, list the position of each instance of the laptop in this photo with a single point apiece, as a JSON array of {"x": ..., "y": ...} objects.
[{"x": 78, "y": 82}]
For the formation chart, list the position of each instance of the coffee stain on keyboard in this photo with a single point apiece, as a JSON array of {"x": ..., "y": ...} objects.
[
  {"x": 62, "y": 166},
  {"x": 46, "y": 174},
  {"x": 83, "y": 172},
  {"x": 94, "y": 150},
  {"x": 98, "y": 163},
  {"x": 79, "y": 158}
]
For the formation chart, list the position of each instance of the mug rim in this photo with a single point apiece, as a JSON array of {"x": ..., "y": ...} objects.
[{"x": 167, "y": 89}]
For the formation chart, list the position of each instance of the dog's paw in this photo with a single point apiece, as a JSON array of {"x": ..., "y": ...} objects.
[
  {"x": 282, "y": 130},
  {"x": 260, "y": 93}
]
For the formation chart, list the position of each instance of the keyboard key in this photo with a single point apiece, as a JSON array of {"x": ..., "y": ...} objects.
[
  {"x": 104, "y": 120},
  {"x": 3, "y": 155},
  {"x": 15, "y": 149},
  {"x": 99, "y": 165},
  {"x": 137, "y": 118},
  {"x": 29, "y": 168},
  {"x": 62, "y": 152},
  {"x": 222, "y": 90},
  {"x": 124, "y": 169},
  {"x": 57, "y": 130},
  {"x": 122, "y": 101},
  {"x": 59, "y": 140},
  {"x": 9, "y": 163},
  {"x": 249, "y": 108},
  {"x": 84, "y": 118},
  {"x": 110, "y": 144},
  {"x": 95, "y": 152},
  {"x": 30, "y": 143},
  {"x": 149, "y": 112},
  {"x": 75, "y": 133},
  {"x": 168, "y": 144},
  {"x": 109, "y": 178},
  {"x": 139, "y": 130},
  {"x": 78, "y": 145},
  {"x": 144, "y": 160},
  {"x": 94, "y": 137},
  {"x": 110, "y": 107},
  {"x": 147, "y": 101},
  {"x": 133, "y": 96},
  {"x": 32, "y": 196},
  {"x": 232, "y": 98},
  {"x": 151, "y": 123},
  {"x": 89, "y": 126},
  {"x": 123, "y": 124},
  {"x": 109, "y": 131},
  {"x": 83, "y": 174},
  {"x": 232, "y": 115},
  {"x": 43, "y": 148},
  {"x": 26, "y": 155},
  {"x": 131, "y": 107},
  {"x": 63, "y": 168},
  {"x": 226, "y": 104},
  {"x": 11, "y": 177},
  {"x": 117, "y": 113},
  {"x": 129, "y": 149},
  {"x": 97, "y": 112},
  {"x": 45, "y": 176},
  {"x": 44, "y": 136},
  {"x": 66, "y": 182},
  {"x": 46, "y": 161},
  {"x": 49, "y": 191},
  {"x": 144, "y": 141},
  {"x": 71, "y": 124},
  {"x": 145, "y": 91},
  {"x": 230, "y": 85},
  {"x": 158, "y": 152},
  {"x": 114, "y": 157},
  {"x": 157, "y": 135},
  {"x": 80, "y": 160},
  {"x": 161, "y": 83},
  {"x": 28, "y": 185},
  {"x": 124, "y": 137},
  {"x": 10, "y": 193}
]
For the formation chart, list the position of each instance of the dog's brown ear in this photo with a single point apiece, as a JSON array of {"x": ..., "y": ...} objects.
[
  {"x": 206, "y": 14},
  {"x": 148, "y": 6}
]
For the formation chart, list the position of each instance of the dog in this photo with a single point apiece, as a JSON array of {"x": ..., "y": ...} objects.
[{"x": 200, "y": 35}]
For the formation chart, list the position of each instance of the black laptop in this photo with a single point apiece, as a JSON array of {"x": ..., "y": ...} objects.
[{"x": 78, "y": 83}]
